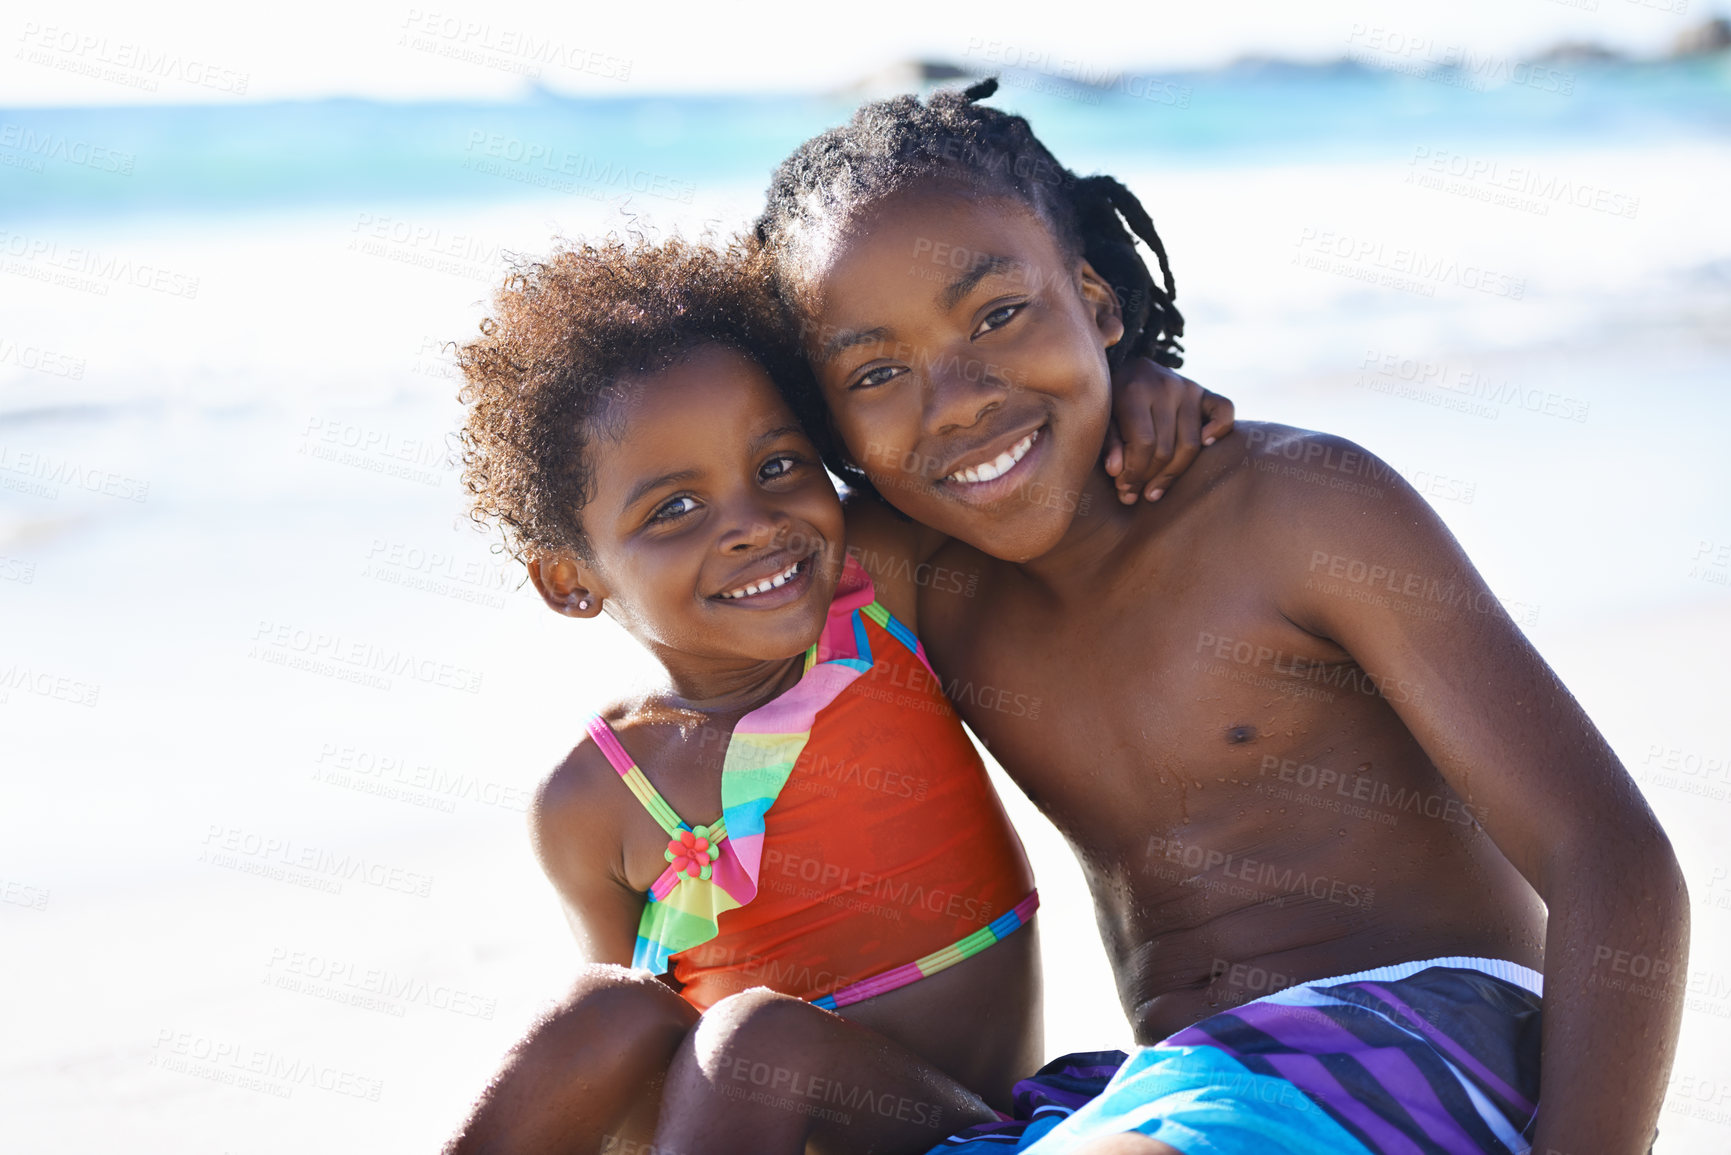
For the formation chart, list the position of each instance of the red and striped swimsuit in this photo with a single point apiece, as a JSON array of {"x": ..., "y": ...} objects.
[{"x": 862, "y": 846}]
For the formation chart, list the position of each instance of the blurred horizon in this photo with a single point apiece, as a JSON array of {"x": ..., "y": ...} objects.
[
  {"x": 651, "y": 153},
  {"x": 102, "y": 52}
]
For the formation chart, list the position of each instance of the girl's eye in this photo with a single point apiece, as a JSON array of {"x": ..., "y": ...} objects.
[
  {"x": 779, "y": 466},
  {"x": 879, "y": 376},
  {"x": 997, "y": 318},
  {"x": 673, "y": 508}
]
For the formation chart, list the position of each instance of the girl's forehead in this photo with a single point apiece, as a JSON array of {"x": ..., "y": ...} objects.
[{"x": 713, "y": 375}]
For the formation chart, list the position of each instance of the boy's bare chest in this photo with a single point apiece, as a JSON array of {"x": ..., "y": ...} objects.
[{"x": 1150, "y": 709}]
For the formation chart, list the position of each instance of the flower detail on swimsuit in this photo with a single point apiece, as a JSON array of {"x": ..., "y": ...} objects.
[{"x": 692, "y": 852}]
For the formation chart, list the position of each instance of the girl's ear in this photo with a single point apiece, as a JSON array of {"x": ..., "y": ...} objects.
[
  {"x": 567, "y": 585},
  {"x": 1098, "y": 296}
]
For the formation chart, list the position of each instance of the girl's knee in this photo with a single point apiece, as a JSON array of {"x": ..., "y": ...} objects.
[
  {"x": 621, "y": 1006},
  {"x": 761, "y": 1009},
  {"x": 757, "y": 1022}
]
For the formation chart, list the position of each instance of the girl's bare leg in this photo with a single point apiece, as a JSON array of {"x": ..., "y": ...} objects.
[
  {"x": 587, "y": 1078},
  {"x": 765, "y": 1074}
]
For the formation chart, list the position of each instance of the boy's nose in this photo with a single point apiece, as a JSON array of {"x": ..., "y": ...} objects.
[{"x": 961, "y": 392}]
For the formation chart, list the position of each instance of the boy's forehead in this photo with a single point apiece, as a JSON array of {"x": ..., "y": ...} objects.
[
  {"x": 923, "y": 219},
  {"x": 924, "y": 248}
]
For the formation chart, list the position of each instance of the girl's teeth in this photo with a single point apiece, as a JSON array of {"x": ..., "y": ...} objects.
[
  {"x": 764, "y": 586},
  {"x": 998, "y": 466}
]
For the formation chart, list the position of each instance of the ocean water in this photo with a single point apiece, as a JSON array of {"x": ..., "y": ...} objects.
[{"x": 271, "y": 711}]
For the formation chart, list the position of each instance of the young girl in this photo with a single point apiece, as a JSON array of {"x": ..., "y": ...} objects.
[
  {"x": 1335, "y": 812},
  {"x": 798, "y": 807}
]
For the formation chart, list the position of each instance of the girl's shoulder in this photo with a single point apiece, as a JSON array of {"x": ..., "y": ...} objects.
[
  {"x": 893, "y": 550},
  {"x": 582, "y": 798}
]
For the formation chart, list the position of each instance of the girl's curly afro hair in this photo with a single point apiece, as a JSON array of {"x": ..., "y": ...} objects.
[{"x": 571, "y": 335}]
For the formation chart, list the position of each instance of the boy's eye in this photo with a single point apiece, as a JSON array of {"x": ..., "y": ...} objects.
[
  {"x": 672, "y": 508},
  {"x": 997, "y": 318},
  {"x": 875, "y": 377},
  {"x": 778, "y": 466}
]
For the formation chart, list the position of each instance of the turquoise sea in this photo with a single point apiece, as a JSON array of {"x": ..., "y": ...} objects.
[{"x": 231, "y": 158}]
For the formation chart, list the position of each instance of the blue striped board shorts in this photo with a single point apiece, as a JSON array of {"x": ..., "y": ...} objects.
[{"x": 1434, "y": 1056}]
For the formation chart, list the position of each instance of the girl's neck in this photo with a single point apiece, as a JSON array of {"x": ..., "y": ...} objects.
[{"x": 727, "y": 689}]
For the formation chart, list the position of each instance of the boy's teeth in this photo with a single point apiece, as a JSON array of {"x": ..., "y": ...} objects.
[
  {"x": 766, "y": 584},
  {"x": 998, "y": 466}
]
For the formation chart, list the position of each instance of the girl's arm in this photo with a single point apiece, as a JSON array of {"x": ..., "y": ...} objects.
[
  {"x": 575, "y": 829},
  {"x": 895, "y": 551},
  {"x": 587, "y": 1075}
]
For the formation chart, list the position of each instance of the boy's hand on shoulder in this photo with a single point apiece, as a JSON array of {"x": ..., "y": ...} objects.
[{"x": 1160, "y": 421}]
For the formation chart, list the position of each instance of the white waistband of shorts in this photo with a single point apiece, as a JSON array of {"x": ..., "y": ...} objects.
[{"x": 1524, "y": 977}]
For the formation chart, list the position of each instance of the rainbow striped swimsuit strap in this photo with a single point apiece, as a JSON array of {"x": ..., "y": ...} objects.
[
  {"x": 767, "y": 742},
  {"x": 893, "y": 626},
  {"x": 693, "y": 890},
  {"x": 907, "y": 974}
]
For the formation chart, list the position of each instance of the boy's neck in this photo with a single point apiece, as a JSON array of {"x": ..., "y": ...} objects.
[{"x": 1099, "y": 527}]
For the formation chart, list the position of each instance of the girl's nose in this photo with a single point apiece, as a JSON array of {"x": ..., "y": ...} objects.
[{"x": 751, "y": 525}]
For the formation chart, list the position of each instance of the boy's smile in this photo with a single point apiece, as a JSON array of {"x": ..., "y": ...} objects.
[
  {"x": 713, "y": 529},
  {"x": 986, "y": 475},
  {"x": 967, "y": 378}
]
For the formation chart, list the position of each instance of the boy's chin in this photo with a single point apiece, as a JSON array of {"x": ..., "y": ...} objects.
[
  {"x": 1018, "y": 550},
  {"x": 1016, "y": 540}
]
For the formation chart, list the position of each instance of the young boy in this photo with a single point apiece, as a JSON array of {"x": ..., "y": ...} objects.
[{"x": 1291, "y": 733}]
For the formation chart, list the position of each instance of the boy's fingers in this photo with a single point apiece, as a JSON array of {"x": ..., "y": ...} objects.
[
  {"x": 1185, "y": 445},
  {"x": 1219, "y": 413},
  {"x": 1156, "y": 471},
  {"x": 1115, "y": 466},
  {"x": 1136, "y": 431}
]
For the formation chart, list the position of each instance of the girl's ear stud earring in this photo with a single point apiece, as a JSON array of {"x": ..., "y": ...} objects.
[{"x": 583, "y": 603}]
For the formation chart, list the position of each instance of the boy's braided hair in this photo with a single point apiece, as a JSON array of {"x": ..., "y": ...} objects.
[
  {"x": 566, "y": 338},
  {"x": 891, "y": 144}
]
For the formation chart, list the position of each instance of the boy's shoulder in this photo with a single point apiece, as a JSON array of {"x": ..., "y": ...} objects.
[
  {"x": 1291, "y": 479},
  {"x": 1261, "y": 505},
  {"x": 1288, "y": 453}
]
